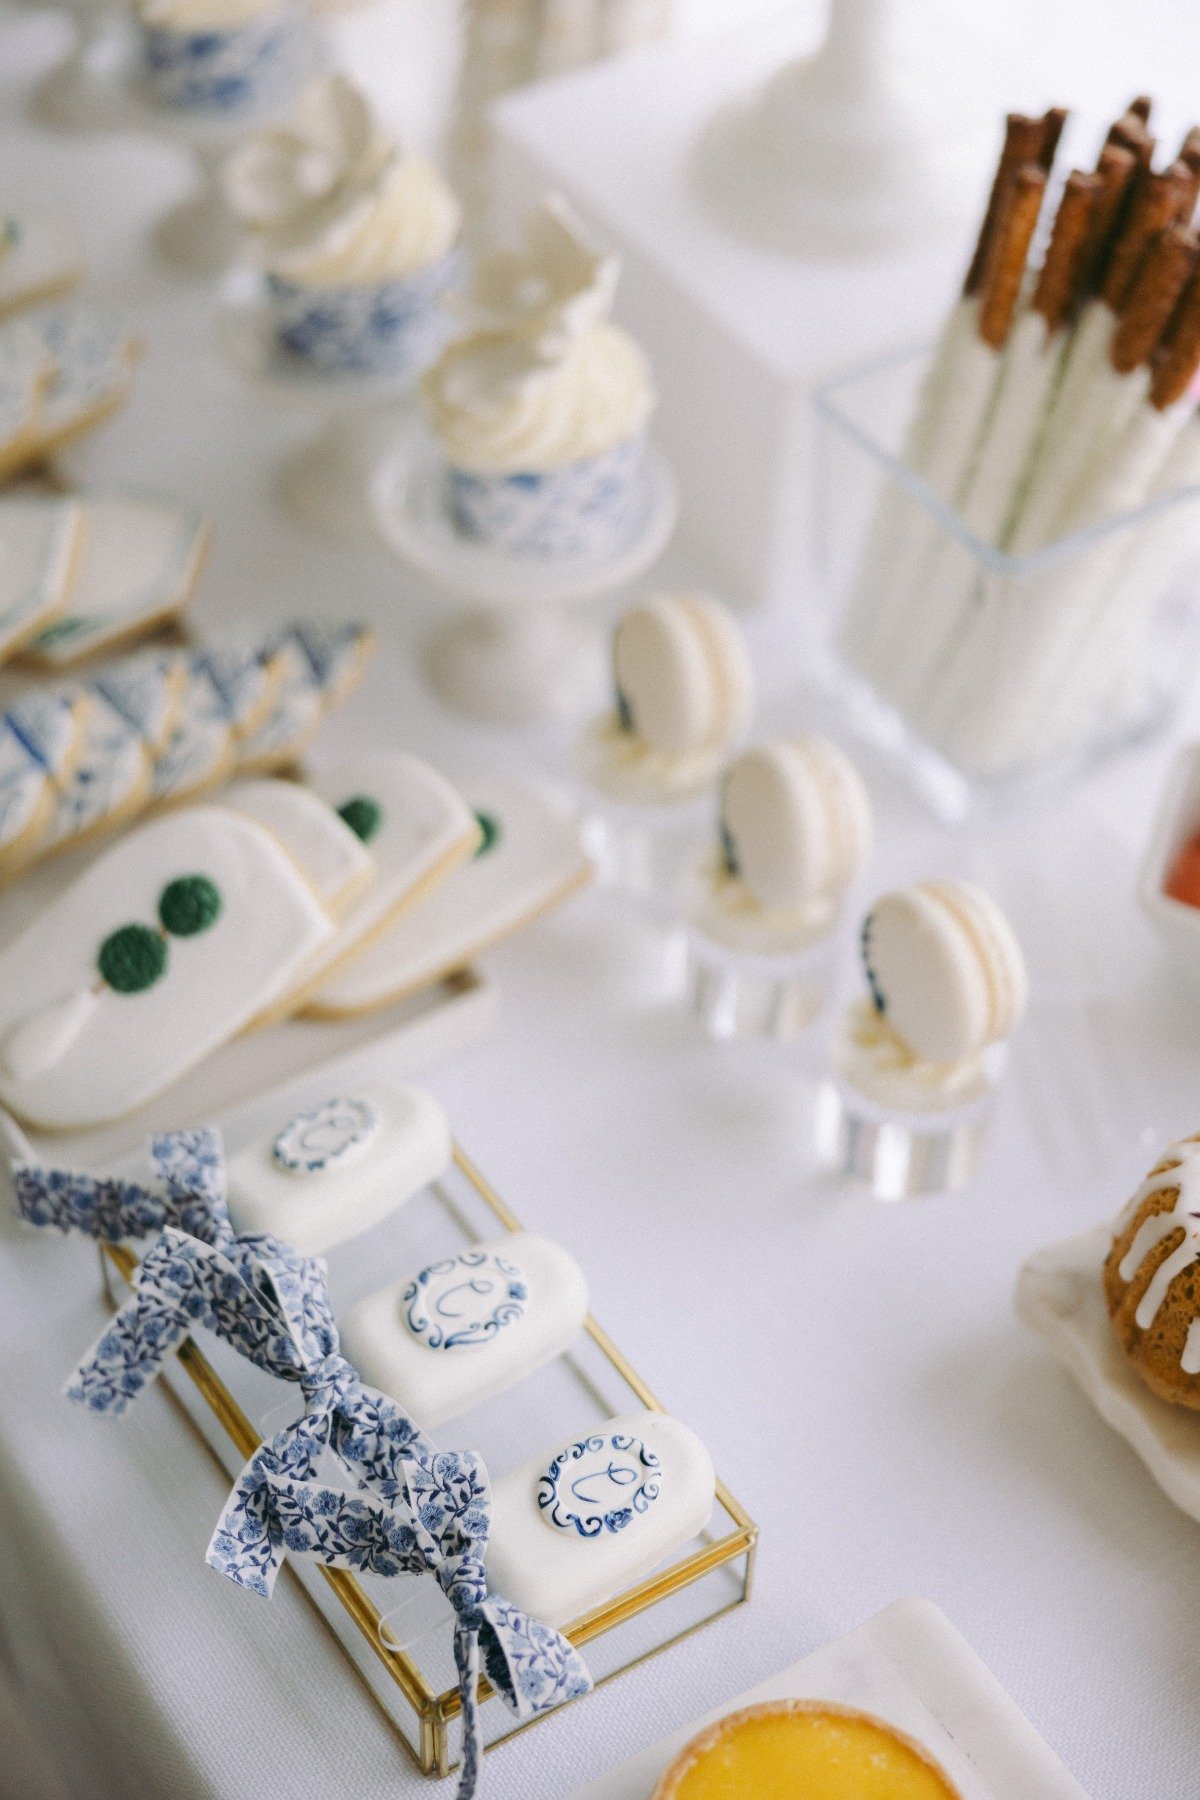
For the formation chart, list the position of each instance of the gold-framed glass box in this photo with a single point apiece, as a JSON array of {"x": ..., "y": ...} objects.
[{"x": 398, "y": 1633}]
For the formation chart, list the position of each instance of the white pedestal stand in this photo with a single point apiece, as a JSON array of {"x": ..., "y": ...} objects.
[
  {"x": 737, "y": 334},
  {"x": 515, "y": 654}
]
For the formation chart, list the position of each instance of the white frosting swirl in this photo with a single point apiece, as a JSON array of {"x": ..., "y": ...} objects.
[
  {"x": 875, "y": 1059},
  {"x": 332, "y": 201},
  {"x": 547, "y": 381},
  {"x": 190, "y": 16}
]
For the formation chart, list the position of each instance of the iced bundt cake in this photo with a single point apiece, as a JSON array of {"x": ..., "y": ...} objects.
[{"x": 1152, "y": 1277}]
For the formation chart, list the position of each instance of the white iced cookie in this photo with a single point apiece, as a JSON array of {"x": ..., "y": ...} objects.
[
  {"x": 108, "y": 783},
  {"x": 338, "y": 1168},
  {"x": 39, "y": 541},
  {"x": 162, "y": 949},
  {"x": 530, "y": 860},
  {"x": 685, "y": 693},
  {"x": 315, "y": 664},
  {"x": 139, "y": 558},
  {"x": 93, "y": 355},
  {"x": 583, "y": 1521},
  {"x": 795, "y": 831},
  {"x": 464, "y": 1328},
  {"x": 336, "y": 863},
  {"x": 945, "y": 969},
  {"x": 417, "y": 829},
  {"x": 40, "y": 742},
  {"x": 26, "y": 373},
  {"x": 146, "y": 691},
  {"x": 39, "y": 260}
]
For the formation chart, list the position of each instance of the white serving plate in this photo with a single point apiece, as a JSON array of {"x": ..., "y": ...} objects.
[
  {"x": 911, "y": 1668},
  {"x": 1177, "y": 820},
  {"x": 1059, "y": 1295}
]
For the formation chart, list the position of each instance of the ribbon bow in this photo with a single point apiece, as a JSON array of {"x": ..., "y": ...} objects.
[
  {"x": 431, "y": 1514},
  {"x": 418, "y": 1510}
]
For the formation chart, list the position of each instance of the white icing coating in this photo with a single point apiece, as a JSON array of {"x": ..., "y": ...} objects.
[
  {"x": 946, "y": 968},
  {"x": 133, "y": 1046},
  {"x": 109, "y": 779},
  {"x": 331, "y": 200},
  {"x": 559, "y": 1575},
  {"x": 199, "y": 749},
  {"x": 25, "y": 792},
  {"x": 1183, "y": 1172},
  {"x": 796, "y": 831},
  {"x": 336, "y": 864},
  {"x": 408, "y": 1149},
  {"x": 26, "y": 371},
  {"x": 433, "y": 1385},
  {"x": 548, "y": 381},
  {"x": 49, "y": 725},
  {"x": 40, "y": 258},
  {"x": 93, "y": 356},
  {"x": 138, "y": 560},
  {"x": 44, "y": 1038},
  {"x": 315, "y": 664},
  {"x": 535, "y": 860},
  {"x": 425, "y": 829},
  {"x": 145, "y": 691},
  {"x": 39, "y": 536}
]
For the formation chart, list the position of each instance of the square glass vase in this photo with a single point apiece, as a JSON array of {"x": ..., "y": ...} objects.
[{"x": 986, "y": 676}]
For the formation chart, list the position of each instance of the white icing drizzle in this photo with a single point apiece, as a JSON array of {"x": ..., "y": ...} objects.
[
  {"x": 41, "y": 1040},
  {"x": 1183, "y": 1172}
]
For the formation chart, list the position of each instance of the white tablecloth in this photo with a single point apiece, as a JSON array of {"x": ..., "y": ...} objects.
[{"x": 856, "y": 1370}]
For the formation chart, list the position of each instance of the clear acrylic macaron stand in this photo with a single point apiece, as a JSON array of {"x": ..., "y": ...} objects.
[
  {"x": 398, "y": 1633},
  {"x": 515, "y": 653},
  {"x": 744, "y": 994}
]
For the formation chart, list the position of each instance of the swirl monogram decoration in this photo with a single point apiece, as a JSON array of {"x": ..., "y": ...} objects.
[
  {"x": 326, "y": 1137},
  {"x": 464, "y": 1301},
  {"x": 417, "y": 1510},
  {"x": 602, "y": 1483}
]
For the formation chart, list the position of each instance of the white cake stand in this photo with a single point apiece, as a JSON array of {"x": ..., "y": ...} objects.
[
  {"x": 515, "y": 654},
  {"x": 198, "y": 235},
  {"x": 327, "y": 483},
  {"x": 842, "y": 152}
]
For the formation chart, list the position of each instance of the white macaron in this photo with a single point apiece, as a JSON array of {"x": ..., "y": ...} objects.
[
  {"x": 684, "y": 680},
  {"x": 795, "y": 823},
  {"x": 945, "y": 969}
]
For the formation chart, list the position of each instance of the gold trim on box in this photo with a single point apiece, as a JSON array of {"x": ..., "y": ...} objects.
[{"x": 435, "y": 1711}]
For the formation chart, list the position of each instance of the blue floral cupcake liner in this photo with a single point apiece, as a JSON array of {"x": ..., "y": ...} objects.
[
  {"x": 587, "y": 508},
  {"x": 228, "y": 71},
  {"x": 394, "y": 328}
]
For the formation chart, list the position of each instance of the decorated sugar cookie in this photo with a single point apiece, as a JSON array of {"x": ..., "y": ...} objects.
[
  {"x": 109, "y": 783},
  {"x": 794, "y": 832},
  {"x": 161, "y": 950},
  {"x": 417, "y": 829},
  {"x": 227, "y": 692},
  {"x": 464, "y": 1327},
  {"x": 588, "y": 1518},
  {"x": 318, "y": 664},
  {"x": 337, "y": 1168},
  {"x": 39, "y": 260},
  {"x": 93, "y": 355},
  {"x": 26, "y": 372},
  {"x": 40, "y": 740},
  {"x": 139, "y": 559},
  {"x": 39, "y": 541},
  {"x": 335, "y": 861},
  {"x": 529, "y": 860},
  {"x": 684, "y": 696},
  {"x": 146, "y": 691}
]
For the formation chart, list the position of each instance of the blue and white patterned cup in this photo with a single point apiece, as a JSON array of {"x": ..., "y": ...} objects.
[
  {"x": 229, "y": 70},
  {"x": 585, "y": 509},
  {"x": 395, "y": 328}
]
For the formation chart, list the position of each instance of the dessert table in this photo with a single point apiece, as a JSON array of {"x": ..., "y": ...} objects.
[{"x": 855, "y": 1369}]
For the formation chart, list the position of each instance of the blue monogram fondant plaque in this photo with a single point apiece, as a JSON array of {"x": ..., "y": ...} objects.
[
  {"x": 464, "y": 1301},
  {"x": 600, "y": 1484},
  {"x": 326, "y": 1138}
]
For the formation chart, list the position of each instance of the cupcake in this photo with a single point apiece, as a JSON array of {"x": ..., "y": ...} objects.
[
  {"x": 356, "y": 236},
  {"x": 223, "y": 56},
  {"x": 794, "y": 832},
  {"x": 541, "y": 412},
  {"x": 948, "y": 987},
  {"x": 1150, "y": 1278},
  {"x": 684, "y": 695}
]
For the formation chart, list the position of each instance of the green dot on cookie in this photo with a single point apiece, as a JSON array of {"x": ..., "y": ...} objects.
[
  {"x": 189, "y": 905},
  {"x": 363, "y": 815},
  {"x": 489, "y": 832},
  {"x": 132, "y": 958}
]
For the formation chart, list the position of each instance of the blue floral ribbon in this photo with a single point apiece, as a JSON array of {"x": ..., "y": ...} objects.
[{"x": 419, "y": 1510}]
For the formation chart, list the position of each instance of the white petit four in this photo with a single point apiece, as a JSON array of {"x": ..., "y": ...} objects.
[
  {"x": 340, "y": 1167},
  {"x": 583, "y": 1521},
  {"x": 945, "y": 969},
  {"x": 39, "y": 539},
  {"x": 530, "y": 860},
  {"x": 139, "y": 559},
  {"x": 417, "y": 829},
  {"x": 161, "y": 950},
  {"x": 39, "y": 260},
  {"x": 468, "y": 1326},
  {"x": 335, "y": 861},
  {"x": 795, "y": 831},
  {"x": 685, "y": 694}
]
